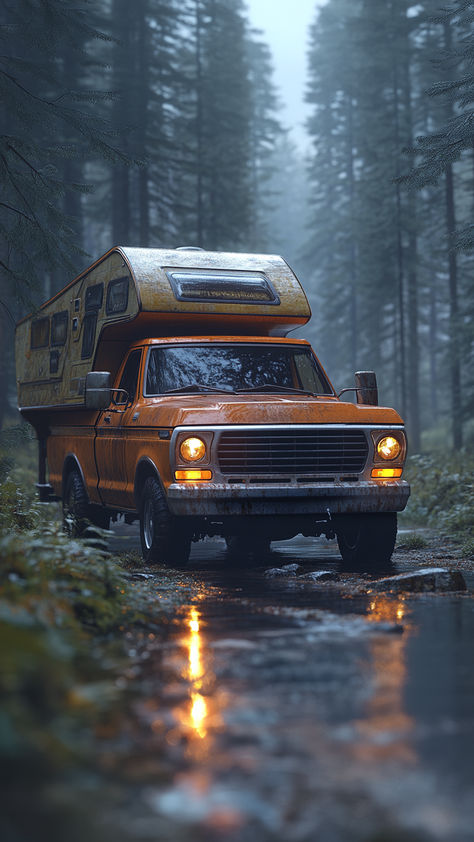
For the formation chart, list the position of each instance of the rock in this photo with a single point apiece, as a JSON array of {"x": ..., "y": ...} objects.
[
  {"x": 320, "y": 576},
  {"x": 287, "y": 570},
  {"x": 423, "y": 581}
]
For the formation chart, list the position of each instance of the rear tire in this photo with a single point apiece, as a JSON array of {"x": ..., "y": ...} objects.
[
  {"x": 366, "y": 541},
  {"x": 78, "y": 514},
  {"x": 162, "y": 538}
]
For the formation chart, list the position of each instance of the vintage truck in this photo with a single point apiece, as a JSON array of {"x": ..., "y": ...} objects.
[{"x": 163, "y": 386}]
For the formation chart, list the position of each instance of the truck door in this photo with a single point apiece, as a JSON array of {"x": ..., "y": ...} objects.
[{"x": 112, "y": 428}]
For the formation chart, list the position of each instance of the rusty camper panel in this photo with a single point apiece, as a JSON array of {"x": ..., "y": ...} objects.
[
  {"x": 131, "y": 293},
  {"x": 56, "y": 347}
]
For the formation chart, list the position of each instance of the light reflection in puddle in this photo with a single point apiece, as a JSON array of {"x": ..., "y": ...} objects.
[
  {"x": 200, "y": 715},
  {"x": 386, "y": 731}
]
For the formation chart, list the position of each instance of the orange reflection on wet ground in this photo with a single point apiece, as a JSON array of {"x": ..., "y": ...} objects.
[
  {"x": 200, "y": 715},
  {"x": 386, "y": 728}
]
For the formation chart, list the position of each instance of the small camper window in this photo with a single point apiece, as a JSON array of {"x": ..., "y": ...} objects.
[
  {"x": 88, "y": 335},
  {"x": 117, "y": 296},
  {"x": 94, "y": 297},
  {"x": 53, "y": 362},
  {"x": 238, "y": 287},
  {"x": 59, "y": 328},
  {"x": 39, "y": 333}
]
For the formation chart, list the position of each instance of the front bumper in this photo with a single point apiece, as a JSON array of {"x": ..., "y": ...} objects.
[{"x": 209, "y": 499}]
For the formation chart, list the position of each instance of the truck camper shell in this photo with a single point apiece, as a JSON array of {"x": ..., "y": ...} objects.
[{"x": 133, "y": 293}]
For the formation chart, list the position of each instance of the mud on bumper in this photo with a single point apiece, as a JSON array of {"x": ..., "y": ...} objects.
[{"x": 222, "y": 500}]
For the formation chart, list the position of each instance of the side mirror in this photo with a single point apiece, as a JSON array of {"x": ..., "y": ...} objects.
[
  {"x": 98, "y": 393},
  {"x": 366, "y": 386}
]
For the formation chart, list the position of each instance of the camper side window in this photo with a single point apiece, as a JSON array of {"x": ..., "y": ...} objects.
[
  {"x": 117, "y": 296},
  {"x": 88, "y": 335},
  {"x": 39, "y": 333},
  {"x": 94, "y": 297},
  {"x": 59, "y": 328}
]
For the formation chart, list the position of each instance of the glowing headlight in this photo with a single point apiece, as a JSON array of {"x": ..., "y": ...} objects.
[
  {"x": 192, "y": 449},
  {"x": 388, "y": 447}
]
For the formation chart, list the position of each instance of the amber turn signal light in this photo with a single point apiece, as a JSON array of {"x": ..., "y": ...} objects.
[
  {"x": 192, "y": 475},
  {"x": 386, "y": 473}
]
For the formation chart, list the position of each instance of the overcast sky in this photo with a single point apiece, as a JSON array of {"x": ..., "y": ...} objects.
[{"x": 285, "y": 26}]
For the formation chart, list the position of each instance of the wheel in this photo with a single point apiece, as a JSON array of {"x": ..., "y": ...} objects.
[
  {"x": 162, "y": 539},
  {"x": 247, "y": 549},
  {"x": 366, "y": 542},
  {"x": 75, "y": 505}
]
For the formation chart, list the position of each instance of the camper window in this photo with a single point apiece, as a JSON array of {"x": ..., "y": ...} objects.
[
  {"x": 59, "y": 328},
  {"x": 117, "y": 296},
  {"x": 94, "y": 297},
  {"x": 39, "y": 333},
  {"x": 241, "y": 287},
  {"x": 53, "y": 362},
  {"x": 88, "y": 335}
]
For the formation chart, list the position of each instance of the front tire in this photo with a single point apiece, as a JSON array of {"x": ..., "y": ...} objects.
[
  {"x": 160, "y": 539},
  {"x": 366, "y": 541}
]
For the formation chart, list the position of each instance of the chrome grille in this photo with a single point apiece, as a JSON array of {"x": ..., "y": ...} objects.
[{"x": 305, "y": 451}]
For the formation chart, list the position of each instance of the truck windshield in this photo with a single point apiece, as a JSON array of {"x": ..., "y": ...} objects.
[{"x": 234, "y": 368}]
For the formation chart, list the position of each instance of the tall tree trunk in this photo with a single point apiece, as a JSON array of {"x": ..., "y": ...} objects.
[
  {"x": 433, "y": 354},
  {"x": 401, "y": 368},
  {"x": 413, "y": 348},
  {"x": 199, "y": 129},
  {"x": 454, "y": 325},
  {"x": 73, "y": 169},
  {"x": 352, "y": 244},
  {"x": 5, "y": 338},
  {"x": 123, "y": 71},
  {"x": 142, "y": 127}
]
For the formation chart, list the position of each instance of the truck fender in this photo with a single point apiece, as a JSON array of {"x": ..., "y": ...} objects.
[
  {"x": 145, "y": 468},
  {"x": 72, "y": 462}
]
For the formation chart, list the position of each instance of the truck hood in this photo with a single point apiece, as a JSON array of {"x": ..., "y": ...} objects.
[{"x": 209, "y": 410}]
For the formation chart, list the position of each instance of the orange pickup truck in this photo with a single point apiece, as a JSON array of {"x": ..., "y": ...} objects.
[{"x": 162, "y": 386}]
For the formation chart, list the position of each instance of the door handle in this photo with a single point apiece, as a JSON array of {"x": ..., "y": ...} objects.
[{"x": 107, "y": 419}]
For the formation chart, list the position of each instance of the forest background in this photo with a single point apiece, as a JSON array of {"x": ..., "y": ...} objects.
[{"x": 158, "y": 124}]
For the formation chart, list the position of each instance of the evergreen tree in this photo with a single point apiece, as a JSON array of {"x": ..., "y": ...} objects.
[
  {"x": 439, "y": 152},
  {"x": 48, "y": 125}
]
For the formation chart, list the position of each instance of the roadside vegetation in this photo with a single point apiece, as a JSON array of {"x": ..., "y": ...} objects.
[
  {"x": 69, "y": 613},
  {"x": 442, "y": 496}
]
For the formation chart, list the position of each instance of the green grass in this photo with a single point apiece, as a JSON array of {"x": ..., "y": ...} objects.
[{"x": 412, "y": 541}]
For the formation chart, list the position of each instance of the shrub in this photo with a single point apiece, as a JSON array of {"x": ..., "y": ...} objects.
[{"x": 442, "y": 493}]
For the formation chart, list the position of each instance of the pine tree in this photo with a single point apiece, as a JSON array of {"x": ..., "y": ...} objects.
[
  {"x": 48, "y": 125},
  {"x": 439, "y": 152}
]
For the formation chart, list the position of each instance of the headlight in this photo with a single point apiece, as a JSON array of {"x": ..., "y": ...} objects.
[
  {"x": 389, "y": 447},
  {"x": 192, "y": 449}
]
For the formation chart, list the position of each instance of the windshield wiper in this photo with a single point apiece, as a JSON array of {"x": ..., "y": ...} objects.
[
  {"x": 197, "y": 387},
  {"x": 271, "y": 387}
]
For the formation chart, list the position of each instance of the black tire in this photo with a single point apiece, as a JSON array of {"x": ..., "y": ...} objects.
[
  {"x": 75, "y": 505},
  {"x": 162, "y": 537},
  {"x": 366, "y": 541},
  {"x": 246, "y": 549}
]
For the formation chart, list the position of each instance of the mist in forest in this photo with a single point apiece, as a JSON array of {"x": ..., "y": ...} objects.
[{"x": 163, "y": 124}]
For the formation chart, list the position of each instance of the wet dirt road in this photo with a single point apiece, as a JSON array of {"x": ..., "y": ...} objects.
[{"x": 283, "y": 707}]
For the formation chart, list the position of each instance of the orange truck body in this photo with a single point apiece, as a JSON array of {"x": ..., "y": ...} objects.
[{"x": 134, "y": 305}]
